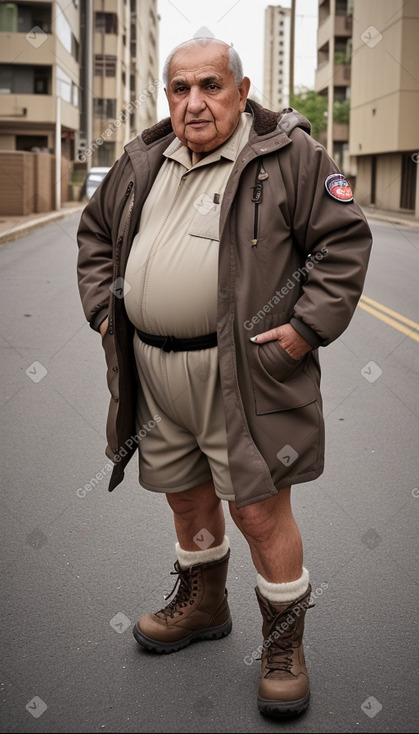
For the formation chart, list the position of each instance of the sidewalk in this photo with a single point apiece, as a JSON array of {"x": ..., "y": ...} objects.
[
  {"x": 402, "y": 218},
  {"x": 13, "y": 227}
]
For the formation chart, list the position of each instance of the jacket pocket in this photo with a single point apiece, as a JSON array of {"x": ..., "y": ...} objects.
[
  {"x": 276, "y": 361},
  {"x": 279, "y": 381}
]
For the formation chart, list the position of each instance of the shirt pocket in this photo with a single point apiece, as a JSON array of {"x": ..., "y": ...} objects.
[{"x": 206, "y": 222}]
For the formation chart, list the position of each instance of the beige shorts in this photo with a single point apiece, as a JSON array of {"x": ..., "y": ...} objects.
[{"x": 180, "y": 410}]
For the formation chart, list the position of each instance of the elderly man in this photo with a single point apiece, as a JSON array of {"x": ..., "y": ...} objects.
[{"x": 221, "y": 251}]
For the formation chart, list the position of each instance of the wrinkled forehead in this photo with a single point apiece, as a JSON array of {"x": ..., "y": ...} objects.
[{"x": 200, "y": 59}]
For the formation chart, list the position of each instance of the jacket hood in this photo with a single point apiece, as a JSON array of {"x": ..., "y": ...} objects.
[{"x": 265, "y": 121}]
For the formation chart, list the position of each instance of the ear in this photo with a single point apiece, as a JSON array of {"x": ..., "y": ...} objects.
[{"x": 244, "y": 87}]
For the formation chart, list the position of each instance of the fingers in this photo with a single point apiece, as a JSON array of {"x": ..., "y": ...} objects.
[{"x": 266, "y": 336}]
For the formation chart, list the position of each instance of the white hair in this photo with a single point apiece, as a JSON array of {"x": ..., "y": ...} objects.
[{"x": 235, "y": 63}]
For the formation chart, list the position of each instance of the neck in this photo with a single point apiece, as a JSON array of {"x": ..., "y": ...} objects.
[{"x": 197, "y": 156}]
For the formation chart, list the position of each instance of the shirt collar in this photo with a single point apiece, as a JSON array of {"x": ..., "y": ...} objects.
[{"x": 229, "y": 149}]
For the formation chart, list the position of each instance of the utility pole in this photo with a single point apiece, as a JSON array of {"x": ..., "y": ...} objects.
[
  {"x": 292, "y": 48},
  {"x": 88, "y": 80},
  {"x": 58, "y": 155}
]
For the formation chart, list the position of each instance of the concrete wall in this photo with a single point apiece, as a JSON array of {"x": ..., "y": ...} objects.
[
  {"x": 27, "y": 182},
  {"x": 388, "y": 180}
]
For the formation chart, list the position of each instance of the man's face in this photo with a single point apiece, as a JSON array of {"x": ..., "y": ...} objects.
[{"x": 204, "y": 100}]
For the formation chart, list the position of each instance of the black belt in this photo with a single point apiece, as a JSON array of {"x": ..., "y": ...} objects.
[{"x": 173, "y": 344}]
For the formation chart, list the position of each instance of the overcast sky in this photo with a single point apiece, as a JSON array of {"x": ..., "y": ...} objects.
[{"x": 241, "y": 23}]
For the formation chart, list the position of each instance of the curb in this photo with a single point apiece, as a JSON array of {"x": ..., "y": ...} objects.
[
  {"x": 20, "y": 230},
  {"x": 377, "y": 217}
]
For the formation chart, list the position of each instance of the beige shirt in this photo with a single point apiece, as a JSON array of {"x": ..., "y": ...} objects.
[{"x": 172, "y": 271}]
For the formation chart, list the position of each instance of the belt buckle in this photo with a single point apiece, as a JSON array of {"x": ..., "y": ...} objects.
[{"x": 169, "y": 344}]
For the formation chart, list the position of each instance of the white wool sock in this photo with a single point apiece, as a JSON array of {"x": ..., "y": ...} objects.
[
  {"x": 187, "y": 559},
  {"x": 281, "y": 593}
]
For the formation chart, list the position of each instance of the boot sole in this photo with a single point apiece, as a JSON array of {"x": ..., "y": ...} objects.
[
  {"x": 283, "y": 709},
  {"x": 210, "y": 633}
]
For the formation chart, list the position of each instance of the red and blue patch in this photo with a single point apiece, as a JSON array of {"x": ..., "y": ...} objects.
[{"x": 338, "y": 187}]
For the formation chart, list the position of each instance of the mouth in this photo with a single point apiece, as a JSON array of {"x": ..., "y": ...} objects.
[{"x": 198, "y": 123}]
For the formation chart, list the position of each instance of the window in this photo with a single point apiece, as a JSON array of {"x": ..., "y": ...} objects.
[
  {"x": 75, "y": 48},
  {"x": 64, "y": 85},
  {"x": 104, "y": 109},
  {"x": 106, "y": 23},
  {"x": 29, "y": 142},
  {"x": 342, "y": 7},
  {"x": 22, "y": 17},
  {"x": 74, "y": 94},
  {"x": 106, "y": 154},
  {"x": 63, "y": 29},
  {"x": 25, "y": 79},
  {"x": 105, "y": 65}
]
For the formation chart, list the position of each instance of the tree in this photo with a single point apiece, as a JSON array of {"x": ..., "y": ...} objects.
[
  {"x": 341, "y": 111},
  {"x": 313, "y": 106}
]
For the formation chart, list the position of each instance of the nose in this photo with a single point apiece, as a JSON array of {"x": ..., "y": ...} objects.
[{"x": 196, "y": 102}]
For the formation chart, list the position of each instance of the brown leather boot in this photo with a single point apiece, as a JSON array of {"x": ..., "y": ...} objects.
[
  {"x": 284, "y": 688},
  {"x": 199, "y": 611}
]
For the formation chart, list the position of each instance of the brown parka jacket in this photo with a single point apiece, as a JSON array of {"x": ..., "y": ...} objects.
[{"x": 288, "y": 252}]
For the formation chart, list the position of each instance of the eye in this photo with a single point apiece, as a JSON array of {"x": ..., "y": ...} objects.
[
  {"x": 212, "y": 87},
  {"x": 181, "y": 88}
]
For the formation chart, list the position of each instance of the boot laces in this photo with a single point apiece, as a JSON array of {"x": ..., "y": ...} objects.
[
  {"x": 280, "y": 650},
  {"x": 186, "y": 587}
]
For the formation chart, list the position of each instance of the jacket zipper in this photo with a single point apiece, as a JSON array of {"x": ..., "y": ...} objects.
[
  {"x": 117, "y": 251},
  {"x": 257, "y": 198}
]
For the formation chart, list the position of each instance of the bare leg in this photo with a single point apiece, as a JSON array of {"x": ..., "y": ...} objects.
[
  {"x": 196, "y": 509},
  {"x": 273, "y": 536}
]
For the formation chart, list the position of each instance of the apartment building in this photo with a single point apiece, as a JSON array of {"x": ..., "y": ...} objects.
[
  {"x": 276, "y": 59},
  {"x": 119, "y": 76},
  {"x": 39, "y": 75},
  {"x": 333, "y": 75},
  {"x": 384, "y": 130},
  {"x": 84, "y": 70}
]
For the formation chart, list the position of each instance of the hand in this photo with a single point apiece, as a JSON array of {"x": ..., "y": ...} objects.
[
  {"x": 289, "y": 339},
  {"x": 104, "y": 327}
]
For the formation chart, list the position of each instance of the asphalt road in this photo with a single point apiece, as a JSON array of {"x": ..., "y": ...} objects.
[{"x": 78, "y": 567}]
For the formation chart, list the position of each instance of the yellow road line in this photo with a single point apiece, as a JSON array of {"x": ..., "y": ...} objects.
[
  {"x": 364, "y": 304},
  {"x": 396, "y": 315}
]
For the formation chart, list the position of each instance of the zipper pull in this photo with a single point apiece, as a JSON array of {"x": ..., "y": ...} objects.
[{"x": 257, "y": 196}]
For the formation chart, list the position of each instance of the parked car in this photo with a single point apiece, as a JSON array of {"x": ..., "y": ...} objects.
[{"x": 93, "y": 179}]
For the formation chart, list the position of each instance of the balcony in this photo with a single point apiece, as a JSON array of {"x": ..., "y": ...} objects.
[
  {"x": 324, "y": 32},
  {"x": 340, "y": 132},
  {"x": 341, "y": 75},
  {"x": 343, "y": 26},
  {"x": 323, "y": 76},
  {"x": 40, "y": 108}
]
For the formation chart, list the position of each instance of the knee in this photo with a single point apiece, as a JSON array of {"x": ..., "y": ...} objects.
[
  {"x": 202, "y": 497},
  {"x": 260, "y": 519},
  {"x": 253, "y": 521}
]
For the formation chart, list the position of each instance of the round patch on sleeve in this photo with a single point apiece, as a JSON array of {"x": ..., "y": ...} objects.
[{"x": 338, "y": 187}]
